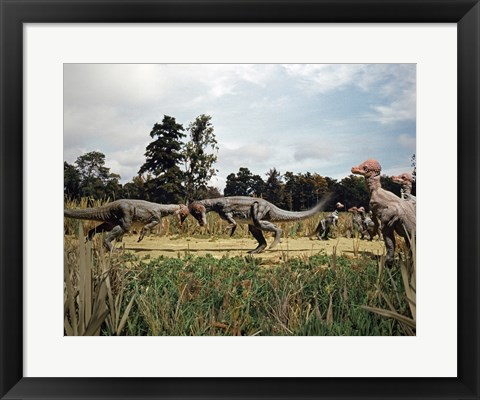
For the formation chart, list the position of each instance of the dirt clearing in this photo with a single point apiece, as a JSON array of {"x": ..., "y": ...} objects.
[{"x": 175, "y": 246}]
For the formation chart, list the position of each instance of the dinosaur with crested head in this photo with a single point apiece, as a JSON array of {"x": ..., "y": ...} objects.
[
  {"x": 406, "y": 180},
  {"x": 119, "y": 216},
  {"x": 259, "y": 214},
  {"x": 394, "y": 214}
]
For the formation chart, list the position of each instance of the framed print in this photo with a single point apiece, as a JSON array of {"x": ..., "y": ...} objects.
[{"x": 49, "y": 50}]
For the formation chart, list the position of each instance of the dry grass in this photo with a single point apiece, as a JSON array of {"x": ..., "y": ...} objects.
[{"x": 93, "y": 290}]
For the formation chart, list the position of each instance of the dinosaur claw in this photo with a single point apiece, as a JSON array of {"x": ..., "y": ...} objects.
[{"x": 259, "y": 249}]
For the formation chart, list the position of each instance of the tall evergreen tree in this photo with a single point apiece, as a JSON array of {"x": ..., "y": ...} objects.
[
  {"x": 164, "y": 158},
  {"x": 274, "y": 187}
]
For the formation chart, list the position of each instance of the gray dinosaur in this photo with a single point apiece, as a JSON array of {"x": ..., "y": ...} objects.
[
  {"x": 369, "y": 226},
  {"x": 119, "y": 216},
  {"x": 357, "y": 221},
  {"x": 395, "y": 214},
  {"x": 259, "y": 214},
  {"x": 323, "y": 229}
]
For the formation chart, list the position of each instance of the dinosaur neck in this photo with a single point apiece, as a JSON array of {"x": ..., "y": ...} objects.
[
  {"x": 373, "y": 183},
  {"x": 407, "y": 188}
]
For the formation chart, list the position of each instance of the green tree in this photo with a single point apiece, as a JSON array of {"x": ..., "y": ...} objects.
[
  {"x": 71, "y": 181},
  {"x": 351, "y": 191},
  {"x": 244, "y": 183},
  {"x": 200, "y": 154},
  {"x": 274, "y": 187},
  {"x": 163, "y": 161},
  {"x": 96, "y": 181},
  {"x": 388, "y": 184}
]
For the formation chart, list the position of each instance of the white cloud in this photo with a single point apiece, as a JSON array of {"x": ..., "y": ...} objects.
[
  {"x": 407, "y": 141},
  {"x": 401, "y": 109}
]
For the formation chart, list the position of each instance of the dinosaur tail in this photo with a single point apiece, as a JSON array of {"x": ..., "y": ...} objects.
[
  {"x": 94, "y": 213},
  {"x": 286, "y": 216}
]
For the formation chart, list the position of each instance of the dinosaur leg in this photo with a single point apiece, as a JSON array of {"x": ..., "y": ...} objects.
[
  {"x": 320, "y": 231},
  {"x": 233, "y": 223},
  {"x": 389, "y": 238},
  {"x": 268, "y": 226},
  {"x": 105, "y": 227},
  {"x": 326, "y": 234},
  {"x": 376, "y": 226},
  {"x": 258, "y": 213},
  {"x": 116, "y": 233},
  {"x": 147, "y": 229},
  {"x": 257, "y": 234}
]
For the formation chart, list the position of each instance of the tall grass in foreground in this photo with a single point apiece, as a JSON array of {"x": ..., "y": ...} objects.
[
  {"x": 316, "y": 295},
  {"x": 408, "y": 272},
  {"x": 93, "y": 293}
]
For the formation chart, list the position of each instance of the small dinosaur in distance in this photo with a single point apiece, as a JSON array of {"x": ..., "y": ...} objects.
[
  {"x": 323, "y": 229},
  {"x": 119, "y": 216},
  {"x": 357, "y": 221},
  {"x": 394, "y": 214},
  {"x": 259, "y": 214},
  {"x": 369, "y": 226},
  {"x": 406, "y": 180}
]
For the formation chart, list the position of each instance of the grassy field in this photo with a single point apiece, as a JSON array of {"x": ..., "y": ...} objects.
[{"x": 188, "y": 281}]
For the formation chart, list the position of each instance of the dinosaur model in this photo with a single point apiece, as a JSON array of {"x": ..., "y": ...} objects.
[
  {"x": 357, "y": 221},
  {"x": 259, "y": 214},
  {"x": 119, "y": 216},
  {"x": 323, "y": 229},
  {"x": 406, "y": 180},
  {"x": 368, "y": 225},
  {"x": 394, "y": 214}
]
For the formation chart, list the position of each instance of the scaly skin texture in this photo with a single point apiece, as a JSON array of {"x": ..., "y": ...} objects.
[
  {"x": 259, "y": 214},
  {"x": 395, "y": 214},
  {"x": 118, "y": 217},
  {"x": 406, "y": 180},
  {"x": 323, "y": 229}
]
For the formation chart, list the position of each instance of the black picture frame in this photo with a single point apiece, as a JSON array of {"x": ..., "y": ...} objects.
[{"x": 14, "y": 13}]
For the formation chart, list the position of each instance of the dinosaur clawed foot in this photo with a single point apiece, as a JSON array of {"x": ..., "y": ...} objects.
[{"x": 259, "y": 249}]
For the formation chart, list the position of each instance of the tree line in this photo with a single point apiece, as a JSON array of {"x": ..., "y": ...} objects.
[{"x": 179, "y": 163}]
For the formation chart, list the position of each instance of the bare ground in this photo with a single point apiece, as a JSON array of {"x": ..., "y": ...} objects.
[{"x": 175, "y": 246}]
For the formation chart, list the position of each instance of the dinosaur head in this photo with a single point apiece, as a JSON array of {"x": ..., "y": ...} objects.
[
  {"x": 353, "y": 209},
  {"x": 182, "y": 213},
  {"x": 403, "y": 179},
  {"x": 361, "y": 210},
  {"x": 199, "y": 212},
  {"x": 368, "y": 168},
  {"x": 339, "y": 206}
]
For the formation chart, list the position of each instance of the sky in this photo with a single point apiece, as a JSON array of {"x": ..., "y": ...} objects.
[{"x": 318, "y": 118}]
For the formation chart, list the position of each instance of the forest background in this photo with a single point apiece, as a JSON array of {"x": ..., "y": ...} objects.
[{"x": 180, "y": 164}]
